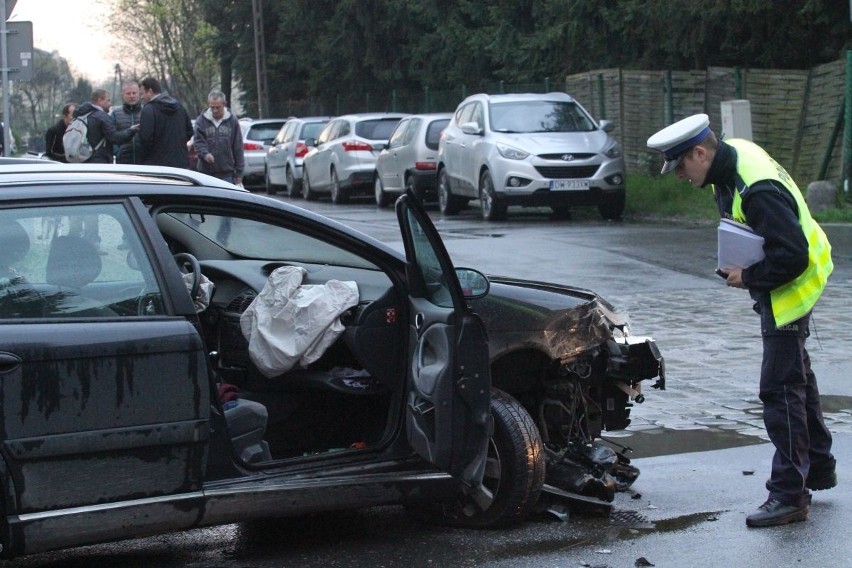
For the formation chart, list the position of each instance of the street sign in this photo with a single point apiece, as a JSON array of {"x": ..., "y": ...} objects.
[
  {"x": 19, "y": 50},
  {"x": 10, "y": 7}
]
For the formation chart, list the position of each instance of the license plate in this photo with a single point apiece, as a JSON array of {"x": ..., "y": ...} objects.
[{"x": 568, "y": 184}]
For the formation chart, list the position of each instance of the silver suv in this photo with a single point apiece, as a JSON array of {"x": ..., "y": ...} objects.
[{"x": 530, "y": 150}]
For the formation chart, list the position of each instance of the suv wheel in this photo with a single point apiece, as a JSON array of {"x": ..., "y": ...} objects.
[
  {"x": 447, "y": 202},
  {"x": 382, "y": 199},
  {"x": 307, "y": 192},
  {"x": 338, "y": 194},
  {"x": 514, "y": 473},
  {"x": 292, "y": 190},
  {"x": 612, "y": 206},
  {"x": 493, "y": 209},
  {"x": 271, "y": 188}
]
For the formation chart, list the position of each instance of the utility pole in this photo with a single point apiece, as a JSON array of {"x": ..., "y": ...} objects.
[
  {"x": 259, "y": 58},
  {"x": 116, "y": 83}
]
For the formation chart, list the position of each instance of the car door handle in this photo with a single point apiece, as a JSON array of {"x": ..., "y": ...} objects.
[
  {"x": 419, "y": 320},
  {"x": 9, "y": 362}
]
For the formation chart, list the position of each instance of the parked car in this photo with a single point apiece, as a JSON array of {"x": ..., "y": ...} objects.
[
  {"x": 342, "y": 159},
  {"x": 258, "y": 134},
  {"x": 140, "y": 395},
  {"x": 285, "y": 154},
  {"x": 530, "y": 150},
  {"x": 410, "y": 158}
]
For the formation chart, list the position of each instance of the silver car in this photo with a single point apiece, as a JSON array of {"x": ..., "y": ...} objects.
[
  {"x": 285, "y": 155},
  {"x": 530, "y": 150},
  {"x": 410, "y": 159},
  {"x": 258, "y": 134},
  {"x": 342, "y": 160}
]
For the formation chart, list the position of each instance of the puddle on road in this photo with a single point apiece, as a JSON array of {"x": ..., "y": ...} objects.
[{"x": 699, "y": 434}]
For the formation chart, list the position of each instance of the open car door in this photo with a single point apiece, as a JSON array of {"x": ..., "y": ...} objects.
[{"x": 448, "y": 413}]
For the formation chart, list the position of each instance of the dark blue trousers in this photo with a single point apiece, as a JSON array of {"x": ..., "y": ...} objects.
[{"x": 792, "y": 412}]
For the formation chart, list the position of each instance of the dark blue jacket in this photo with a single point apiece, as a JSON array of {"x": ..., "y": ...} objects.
[{"x": 164, "y": 130}]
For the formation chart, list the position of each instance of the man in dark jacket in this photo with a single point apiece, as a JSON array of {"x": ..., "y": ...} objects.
[
  {"x": 219, "y": 141},
  {"x": 102, "y": 133},
  {"x": 53, "y": 147},
  {"x": 124, "y": 117},
  {"x": 165, "y": 128}
]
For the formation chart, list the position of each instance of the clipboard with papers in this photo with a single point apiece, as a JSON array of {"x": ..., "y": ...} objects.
[{"x": 739, "y": 245}]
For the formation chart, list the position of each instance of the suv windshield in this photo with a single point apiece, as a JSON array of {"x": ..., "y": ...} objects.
[
  {"x": 376, "y": 129},
  {"x": 539, "y": 116}
]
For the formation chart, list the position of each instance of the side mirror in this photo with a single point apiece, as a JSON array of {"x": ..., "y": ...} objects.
[
  {"x": 474, "y": 284},
  {"x": 607, "y": 125},
  {"x": 471, "y": 128},
  {"x": 310, "y": 141},
  {"x": 381, "y": 146}
]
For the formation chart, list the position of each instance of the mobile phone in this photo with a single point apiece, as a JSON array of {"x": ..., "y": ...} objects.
[{"x": 721, "y": 273}]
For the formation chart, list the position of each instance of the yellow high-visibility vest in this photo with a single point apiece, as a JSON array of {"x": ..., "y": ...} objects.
[{"x": 796, "y": 298}]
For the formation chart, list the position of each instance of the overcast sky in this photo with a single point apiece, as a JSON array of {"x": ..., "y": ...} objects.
[{"x": 86, "y": 47}]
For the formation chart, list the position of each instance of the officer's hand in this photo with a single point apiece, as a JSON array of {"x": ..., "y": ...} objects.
[
  {"x": 735, "y": 278},
  {"x": 209, "y": 158}
]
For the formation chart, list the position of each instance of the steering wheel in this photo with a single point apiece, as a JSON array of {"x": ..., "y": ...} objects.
[{"x": 188, "y": 264}]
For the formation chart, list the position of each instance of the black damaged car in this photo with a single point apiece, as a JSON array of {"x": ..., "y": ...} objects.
[{"x": 178, "y": 353}]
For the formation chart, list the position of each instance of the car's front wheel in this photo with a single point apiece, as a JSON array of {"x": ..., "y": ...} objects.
[
  {"x": 338, "y": 194},
  {"x": 382, "y": 198},
  {"x": 307, "y": 192},
  {"x": 271, "y": 188},
  {"x": 611, "y": 206},
  {"x": 448, "y": 203},
  {"x": 514, "y": 472},
  {"x": 292, "y": 190},
  {"x": 493, "y": 208}
]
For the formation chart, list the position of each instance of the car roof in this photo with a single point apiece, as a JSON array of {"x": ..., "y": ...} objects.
[
  {"x": 45, "y": 171},
  {"x": 515, "y": 97},
  {"x": 431, "y": 115},
  {"x": 310, "y": 118},
  {"x": 372, "y": 115}
]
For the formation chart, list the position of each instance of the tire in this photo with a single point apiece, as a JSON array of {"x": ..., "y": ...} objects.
[
  {"x": 307, "y": 192},
  {"x": 292, "y": 189},
  {"x": 382, "y": 198},
  {"x": 338, "y": 194},
  {"x": 493, "y": 209},
  {"x": 271, "y": 188},
  {"x": 448, "y": 203},
  {"x": 410, "y": 186},
  {"x": 611, "y": 207},
  {"x": 514, "y": 472}
]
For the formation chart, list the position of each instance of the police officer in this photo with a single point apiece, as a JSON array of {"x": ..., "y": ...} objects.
[{"x": 751, "y": 188}]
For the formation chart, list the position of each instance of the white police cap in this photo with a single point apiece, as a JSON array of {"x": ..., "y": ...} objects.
[{"x": 675, "y": 140}]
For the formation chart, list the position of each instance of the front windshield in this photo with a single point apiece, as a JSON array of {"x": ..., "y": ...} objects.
[
  {"x": 539, "y": 116},
  {"x": 250, "y": 238}
]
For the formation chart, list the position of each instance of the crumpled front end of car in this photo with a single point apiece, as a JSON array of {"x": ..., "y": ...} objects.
[{"x": 569, "y": 357}]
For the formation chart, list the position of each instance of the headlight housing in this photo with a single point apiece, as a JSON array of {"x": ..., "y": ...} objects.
[
  {"x": 511, "y": 153},
  {"x": 614, "y": 151}
]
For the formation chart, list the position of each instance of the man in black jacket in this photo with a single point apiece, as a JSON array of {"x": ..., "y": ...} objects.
[
  {"x": 165, "y": 128},
  {"x": 124, "y": 117},
  {"x": 102, "y": 133},
  {"x": 53, "y": 147}
]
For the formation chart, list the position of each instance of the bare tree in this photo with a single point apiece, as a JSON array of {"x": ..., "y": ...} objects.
[{"x": 169, "y": 40}]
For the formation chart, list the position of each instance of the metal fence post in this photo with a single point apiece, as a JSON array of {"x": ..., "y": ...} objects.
[
  {"x": 738, "y": 82},
  {"x": 393, "y": 100},
  {"x": 601, "y": 101},
  {"x": 426, "y": 98},
  {"x": 847, "y": 131},
  {"x": 669, "y": 98},
  {"x": 547, "y": 84}
]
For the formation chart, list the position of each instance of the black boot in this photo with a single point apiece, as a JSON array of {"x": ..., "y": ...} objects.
[{"x": 774, "y": 513}]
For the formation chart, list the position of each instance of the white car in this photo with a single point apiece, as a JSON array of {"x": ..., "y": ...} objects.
[
  {"x": 342, "y": 160},
  {"x": 258, "y": 134},
  {"x": 530, "y": 150},
  {"x": 288, "y": 150},
  {"x": 410, "y": 159}
]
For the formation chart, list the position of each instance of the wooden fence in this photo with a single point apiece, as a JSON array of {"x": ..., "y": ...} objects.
[{"x": 795, "y": 114}]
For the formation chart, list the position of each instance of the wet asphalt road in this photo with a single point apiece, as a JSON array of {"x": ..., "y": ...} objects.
[{"x": 683, "y": 508}]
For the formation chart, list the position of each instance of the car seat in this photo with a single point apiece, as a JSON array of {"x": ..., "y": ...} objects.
[
  {"x": 73, "y": 263},
  {"x": 246, "y": 421},
  {"x": 17, "y": 298}
]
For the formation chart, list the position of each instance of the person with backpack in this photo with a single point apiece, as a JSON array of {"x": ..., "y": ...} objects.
[
  {"x": 101, "y": 133},
  {"x": 53, "y": 147},
  {"x": 165, "y": 127},
  {"x": 124, "y": 117}
]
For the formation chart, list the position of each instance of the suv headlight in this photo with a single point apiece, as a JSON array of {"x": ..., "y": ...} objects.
[
  {"x": 512, "y": 153},
  {"x": 613, "y": 151}
]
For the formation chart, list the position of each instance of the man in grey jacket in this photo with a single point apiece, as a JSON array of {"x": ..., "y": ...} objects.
[{"x": 218, "y": 141}]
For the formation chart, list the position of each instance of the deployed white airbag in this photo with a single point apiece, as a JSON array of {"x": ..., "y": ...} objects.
[{"x": 289, "y": 323}]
